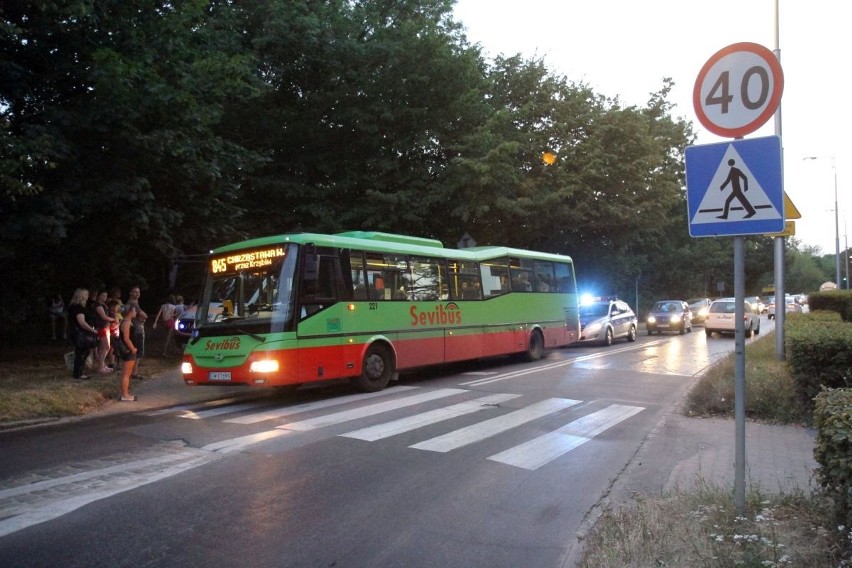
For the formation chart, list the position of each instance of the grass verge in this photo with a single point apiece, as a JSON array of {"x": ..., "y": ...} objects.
[
  {"x": 35, "y": 384},
  {"x": 770, "y": 392},
  {"x": 702, "y": 527}
]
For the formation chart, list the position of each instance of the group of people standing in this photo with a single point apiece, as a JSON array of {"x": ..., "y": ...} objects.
[{"x": 111, "y": 330}]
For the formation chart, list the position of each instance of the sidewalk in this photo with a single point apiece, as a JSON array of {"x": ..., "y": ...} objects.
[
  {"x": 167, "y": 389},
  {"x": 682, "y": 453}
]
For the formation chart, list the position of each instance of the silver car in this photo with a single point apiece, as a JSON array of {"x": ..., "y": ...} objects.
[
  {"x": 606, "y": 320},
  {"x": 721, "y": 317}
]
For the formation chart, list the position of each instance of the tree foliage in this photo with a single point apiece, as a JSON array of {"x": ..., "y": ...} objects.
[{"x": 138, "y": 133}]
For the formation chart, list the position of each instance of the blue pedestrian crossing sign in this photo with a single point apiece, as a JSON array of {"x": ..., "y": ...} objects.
[{"x": 735, "y": 188}]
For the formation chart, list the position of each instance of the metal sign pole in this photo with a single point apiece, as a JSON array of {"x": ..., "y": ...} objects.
[
  {"x": 739, "y": 373},
  {"x": 780, "y": 294}
]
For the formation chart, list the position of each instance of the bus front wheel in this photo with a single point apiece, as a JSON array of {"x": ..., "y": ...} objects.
[
  {"x": 535, "y": 347},
  {"x": 376, "y": 370}
]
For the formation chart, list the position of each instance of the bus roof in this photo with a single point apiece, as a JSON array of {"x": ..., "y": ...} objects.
[{"x": 392, "y": 243}]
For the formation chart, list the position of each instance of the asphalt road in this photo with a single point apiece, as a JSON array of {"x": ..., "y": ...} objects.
[{"x": 494, "y": 464}]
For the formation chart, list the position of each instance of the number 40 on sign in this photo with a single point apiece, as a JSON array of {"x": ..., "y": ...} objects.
[{"x": 738, "y": 89}]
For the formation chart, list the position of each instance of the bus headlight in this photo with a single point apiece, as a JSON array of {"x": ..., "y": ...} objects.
[
  {"x": 264, "y": 366},
  {"x": 186, "y": 368}
]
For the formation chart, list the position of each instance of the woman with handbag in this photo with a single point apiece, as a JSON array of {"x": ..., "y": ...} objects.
[{"x": 83, "y": 336}]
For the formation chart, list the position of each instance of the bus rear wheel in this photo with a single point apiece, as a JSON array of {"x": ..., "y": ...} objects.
[
  {"x": 376, "y": 370},
  {"x": 535, "y": 349}
]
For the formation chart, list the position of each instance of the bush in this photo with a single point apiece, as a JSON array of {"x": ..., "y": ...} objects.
[
  {"x": 819, "y": 350},
  {"x": 839, "y": 301},
  {"x": 833, "y": 419}
]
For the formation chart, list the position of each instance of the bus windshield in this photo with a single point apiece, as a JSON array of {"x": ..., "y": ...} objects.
[{"x": 249, "y": 290}]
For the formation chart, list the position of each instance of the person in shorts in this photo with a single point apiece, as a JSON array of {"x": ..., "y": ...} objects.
[
  {"x": 138, "y": 327},
  {"x": 127, "y": 351}
]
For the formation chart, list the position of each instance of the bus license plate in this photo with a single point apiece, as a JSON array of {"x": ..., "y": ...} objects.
[{"x": 220, "y": 376}]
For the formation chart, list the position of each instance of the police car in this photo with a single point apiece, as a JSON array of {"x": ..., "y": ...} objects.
[{"x": 604, "y": 320}]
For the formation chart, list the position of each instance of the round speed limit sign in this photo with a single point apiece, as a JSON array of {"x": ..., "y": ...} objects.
[{"x": 738, "y": 89}]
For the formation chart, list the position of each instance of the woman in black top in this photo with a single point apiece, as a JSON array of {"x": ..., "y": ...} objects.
[{"x": 83, "y": 335}]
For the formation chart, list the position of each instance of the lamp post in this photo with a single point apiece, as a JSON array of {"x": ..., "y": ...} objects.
[
  {"x": 846, "y": 247},
  {"x": 836, "y": 223}
]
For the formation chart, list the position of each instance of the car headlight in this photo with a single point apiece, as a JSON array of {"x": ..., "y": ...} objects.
[
  {"x": 652, "y": 319},
  {"x": 675, "y": 319},
  {"x": 702, "y": 312}
]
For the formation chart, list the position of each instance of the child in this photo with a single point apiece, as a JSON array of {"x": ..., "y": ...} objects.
[{"x": 114, "y": 307}]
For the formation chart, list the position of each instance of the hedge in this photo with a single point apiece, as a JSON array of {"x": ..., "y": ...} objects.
[{"x": 833, "y": 419}]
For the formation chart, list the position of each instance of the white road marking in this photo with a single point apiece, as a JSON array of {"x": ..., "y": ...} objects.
[
  {"x": 62, "y": 495},
  {"x": 388, "y": 429},
  {"x": 371, "y": 410},
  {"x": 538, "y": 368},
  {"x": 494, "y": 426},
  {"x": 309, "y": 406},
  {"x": 539, "y": 451}
]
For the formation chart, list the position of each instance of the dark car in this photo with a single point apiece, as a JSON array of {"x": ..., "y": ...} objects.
[
  {"x": 604, "y": 320},
  {"x": 699, "y": 308},
  {"x": 669, "y": 315}
]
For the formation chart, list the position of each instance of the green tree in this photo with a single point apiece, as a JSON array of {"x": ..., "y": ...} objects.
[
  {"x": 366, "y": 100},
  {"x": 617, "y": 176},
  {"x": 804, "y": 272},
  {"x": 113, "y": 109}
]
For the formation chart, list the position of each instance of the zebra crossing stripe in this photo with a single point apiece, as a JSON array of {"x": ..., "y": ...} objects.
[
  {"x": 211, "y": 412},
  {"x": 370, "y": 410},
  {"x": 388, "y": 429},
  {"x": 494, "y": 426},
  {"x": 308, "y": 406},
  {"x": 234, "y": 444},
  {"x": 539, "y": 451}
]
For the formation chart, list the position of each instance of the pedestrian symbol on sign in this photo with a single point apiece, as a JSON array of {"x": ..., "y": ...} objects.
[
  {"x": 734, "y": 178},
  {"x": 717, "y": 206}
]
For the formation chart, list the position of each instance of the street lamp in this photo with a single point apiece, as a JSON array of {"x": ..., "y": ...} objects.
[
  {"x": 846, "y": 249},
  {"x": 836, "y": 222}
]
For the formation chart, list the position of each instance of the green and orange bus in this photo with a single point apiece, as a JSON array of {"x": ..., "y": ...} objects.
[{"x": 300, "y": 308}]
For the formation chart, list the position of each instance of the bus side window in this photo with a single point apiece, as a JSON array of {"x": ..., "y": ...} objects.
[
  {"x": 358, "y": 274},
  {"x": 495, "y": 277},
  {"x": 386, "y": 276},
  {"x": 322, "y": 289},
  {"x": 375, "y": 280},
  {"x": 397, "y": 277},
  {"x": 428, "y": 278},
  {"x": 465, "y": 283},
  {"x": 522, "y": 274},
  {"x": 544, "y": 281},
  {"x": 564, "y": 278}
]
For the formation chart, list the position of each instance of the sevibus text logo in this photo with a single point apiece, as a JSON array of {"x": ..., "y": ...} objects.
[
  {"x": 436, "y": 316},
  {"x": 230, "y": 344}
]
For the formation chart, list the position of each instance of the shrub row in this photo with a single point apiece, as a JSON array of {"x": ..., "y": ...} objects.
[
  {"x": 839, "y": 301},
  {"x": 833, "y": 419},
  {"x": 819, "y": 350}
]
